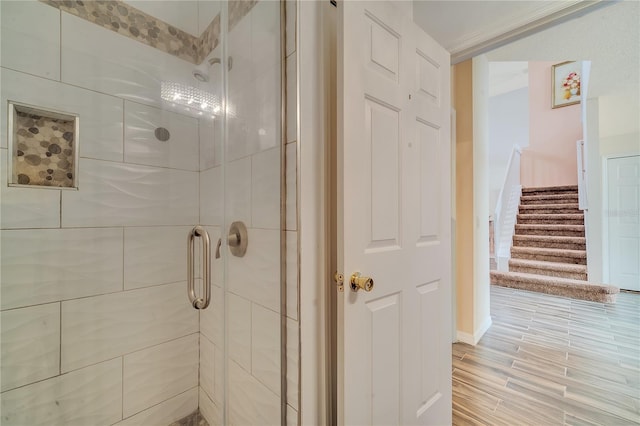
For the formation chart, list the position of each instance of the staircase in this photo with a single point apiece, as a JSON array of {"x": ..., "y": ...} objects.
[{"x": 548, "y": 252}]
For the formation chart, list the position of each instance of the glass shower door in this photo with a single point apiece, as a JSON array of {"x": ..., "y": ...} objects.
[{"x": 252, "y": 196}]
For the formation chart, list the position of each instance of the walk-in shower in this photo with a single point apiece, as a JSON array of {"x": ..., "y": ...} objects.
[{"x": 170, "y": 163}]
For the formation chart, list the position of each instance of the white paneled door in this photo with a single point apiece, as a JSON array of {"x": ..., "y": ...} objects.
[
  {"x": 624, "y": 221},
  {"x": 394, "y": 363}
]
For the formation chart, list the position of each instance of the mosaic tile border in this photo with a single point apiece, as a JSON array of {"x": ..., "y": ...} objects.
[
  {"x": 209, "y": 39},
  {"x": 124, "y": 19},
  {"x": 238, "y": 9}
]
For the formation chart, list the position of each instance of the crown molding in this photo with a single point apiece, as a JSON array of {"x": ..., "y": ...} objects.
[{"x": 512, "y": 28}]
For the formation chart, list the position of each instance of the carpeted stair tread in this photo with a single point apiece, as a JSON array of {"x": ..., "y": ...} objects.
[
  {"x": 558, "y": 252},
  {"x": 549, "y": 199},
  {"x": 569, "y": 267},
  {"x": 550, "y": 241},
  {"x": 552, "y": 269},
  {"x": 557, "y": 286},
  {"x": 567, "y": 208},
  {"x": 562, "y": 218},
  {"x": 549, "y": 229},
  {"x": 549, "y": 189},
  {"x": 550, "y": 255},
  {"x": 552, "y": 216}
]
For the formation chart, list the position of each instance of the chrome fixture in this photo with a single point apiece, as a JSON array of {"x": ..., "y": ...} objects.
[
  {"x": 202, "y": 72},
  {"x": 162, "y": 134},
  {"x": 238, "y": 239},
  {"x": 200, "y": 76},
  {"x": 199, "y": 302}
]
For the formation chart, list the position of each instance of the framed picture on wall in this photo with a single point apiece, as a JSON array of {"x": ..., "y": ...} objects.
[{"x": 565, "y": 84}]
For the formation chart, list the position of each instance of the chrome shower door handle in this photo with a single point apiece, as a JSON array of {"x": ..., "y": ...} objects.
[{"x": 199, "y": 302}]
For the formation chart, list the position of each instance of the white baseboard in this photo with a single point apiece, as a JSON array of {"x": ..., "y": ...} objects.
[
  {"x": 463, "y": 337},
  {"x": 483, "y": 329},
  {"x": 473, "y": 339}
]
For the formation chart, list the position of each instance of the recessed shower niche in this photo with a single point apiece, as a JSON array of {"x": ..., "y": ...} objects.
[{"x": 44, "y": 147}]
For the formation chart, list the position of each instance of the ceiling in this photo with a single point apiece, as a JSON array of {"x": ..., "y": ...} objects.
[
  {"x": 471, "y": 27},
  {"x": 608, "y": 37},
  {"x": 464, "y": 27}
]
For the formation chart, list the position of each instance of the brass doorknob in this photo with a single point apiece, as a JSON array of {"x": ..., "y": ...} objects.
[{"x": 360, "y": 282}]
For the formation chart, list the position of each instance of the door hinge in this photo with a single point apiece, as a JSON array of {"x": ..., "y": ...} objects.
[{"x": 339, "y": 279}]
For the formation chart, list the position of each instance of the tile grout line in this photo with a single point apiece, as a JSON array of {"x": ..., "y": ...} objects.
[
  {"x": 123, "y": 257},
  {"x": 124, "y": 126},
  {"x": 128, "y": 290},
  {"x": 161, "y": 402},
  {"x": 60, "y": 353},
  {"x": 60, "y": 49},
  {"x": 93, "y": 364},
  {"x": 122, "y": 391},
  {"x": 98, "y": 92}
]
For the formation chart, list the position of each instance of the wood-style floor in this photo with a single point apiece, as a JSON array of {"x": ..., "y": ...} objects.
[{"x": 549, "y": 360}]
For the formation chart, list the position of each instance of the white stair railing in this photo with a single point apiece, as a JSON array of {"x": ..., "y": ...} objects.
[
  {"x": 507, "y": 210},
  {"x": 582, "y": 174}
]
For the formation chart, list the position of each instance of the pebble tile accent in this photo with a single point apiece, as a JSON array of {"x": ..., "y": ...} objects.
[
  {"x": 124, "y": 19},
  {"x": 209, "y": 39},
  {"x": 44, "y": 153},
  {"x": 239, "y": 9},
  {"x": 193, "y": 419}
]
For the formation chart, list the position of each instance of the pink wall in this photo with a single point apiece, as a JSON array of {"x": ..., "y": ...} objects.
[{"x": 550, "y": 159}]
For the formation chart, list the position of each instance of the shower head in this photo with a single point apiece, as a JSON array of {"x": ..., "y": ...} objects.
[{"x": 202, "y": 73}]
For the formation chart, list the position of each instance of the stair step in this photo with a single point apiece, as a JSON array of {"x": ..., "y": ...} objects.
[
  {"x": 493, "y": 265},
  {"x": 557, "y": 230},
  {"x": 558, "y": 219},
  {"x": 549, "y": 199},
  {"x": 550, "y": 241},
  {"x": 551, "y": 269},
  {"x": 550, "y": 255},
  {"x": 566, "y": 189},
  {"x": 557, "y": 286},
  {"x": 549, "y": 209}
]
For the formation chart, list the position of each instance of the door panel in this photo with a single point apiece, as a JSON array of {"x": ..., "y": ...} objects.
[
  {"x": 384, "y": 45},
  {"x": 383, "y": 125},
  {"x": 624, "y": 221},
  {"x": 393, "y": 218},
  {"x": 428, "y": 138},
  {"x": 429, "y": 352},
  {"x": 385, "y": 359}
]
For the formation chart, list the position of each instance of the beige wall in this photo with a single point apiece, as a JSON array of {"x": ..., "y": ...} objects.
[{"x": 463, "y": 104}]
